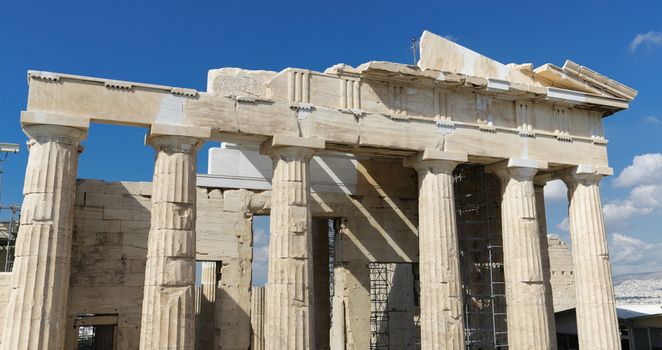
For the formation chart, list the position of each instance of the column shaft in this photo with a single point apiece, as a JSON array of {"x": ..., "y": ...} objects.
[
  {"x": 36, "y": 312},
  {"x": 597, "y": 323},
  {"x": 544, "y": 255},
  {"x": 442, "y": 325},
  {"x": 257, "y": 318},
  {"x": 207, "y": 314},
  {"x": 168, "y": 313},
  {"x": 528, "y": 322},
  {"x": 289, "y": 291}
]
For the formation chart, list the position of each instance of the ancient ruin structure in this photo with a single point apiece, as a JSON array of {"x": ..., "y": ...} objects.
[{"x": 405, "y": 206}]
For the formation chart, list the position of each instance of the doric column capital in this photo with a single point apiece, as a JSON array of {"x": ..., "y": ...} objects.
[
  {"x": 515, "y": 168},
  {"x": 435, "y": 161},
  {"x": 586, "y": 175},
  {"x": 176, "y": 139},
  {"x": 54, "y": 133},
  {"x": 174, "y": 144},
  {"x": 291, "y": 147}
]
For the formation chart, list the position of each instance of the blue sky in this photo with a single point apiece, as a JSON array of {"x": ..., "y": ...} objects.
[{"x": 176, "y": 42}]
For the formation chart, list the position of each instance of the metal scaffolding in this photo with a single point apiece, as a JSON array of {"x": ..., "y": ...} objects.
[
  {"x": 479, "y": 229},
  {"x": 14, "y": 218},
  {"x": 379, "y": 317},
  {"x": 12, "y": 233},
  {"x": 332, "y": 231}
]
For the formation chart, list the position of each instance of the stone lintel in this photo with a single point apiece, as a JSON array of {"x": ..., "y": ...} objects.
[
  {"x": 542, "y": 179},
  {"x": 604, "y": 170},
  {"x": 294, "y": 141},
  {"x": 585, "y": 169},
  {"x": 32, "y": 118},
  {"x": 517, "y": 163},
  {"x": 432, "y": 155},
  {"x": 178, "y": 130}
]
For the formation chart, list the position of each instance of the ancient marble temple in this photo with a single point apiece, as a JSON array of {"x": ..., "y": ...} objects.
[{"x": 405, "y": 204}]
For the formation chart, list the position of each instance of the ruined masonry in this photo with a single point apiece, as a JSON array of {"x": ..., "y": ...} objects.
[{"x": 406, "y": 209}]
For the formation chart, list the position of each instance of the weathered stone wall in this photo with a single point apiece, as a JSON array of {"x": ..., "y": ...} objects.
[
  {"x": 111, "y": 225},
  {"x": 562, "y": 274}
]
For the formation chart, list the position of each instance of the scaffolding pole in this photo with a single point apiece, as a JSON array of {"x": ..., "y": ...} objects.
[
  {"x": 379, "y": 318},
  {"x": 481, "y": 254}
]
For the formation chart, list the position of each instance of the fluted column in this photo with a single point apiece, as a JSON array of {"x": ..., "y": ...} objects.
[
  {"x": 442, "y": 321},
  {"x": 597, "y": 323},
  {"x": 539, "y": 188},
  {"x": 36, "y": 312},
  {"x": 527, "y": 319},
  {"x": 257, "y": 318},
  {"x": 289, "y": 291},
  {"x": 206, "y": 320},
  {"x": 168, "y": 313}
]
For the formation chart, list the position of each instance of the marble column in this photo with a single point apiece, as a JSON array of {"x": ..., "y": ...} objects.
[
  {"x": 442, "y": 321},
  {"x": 539, "y": 188},
  {"x": 168, "y": 312},
  {"x": 39, "y": 287},
  {"x": 205, "y": 328},
  {"x": 527, "y": 314},
  {"x": 257, "y": 318},
  {"x": 597, "y": 323},
  {"x": 289, "y": 314}
]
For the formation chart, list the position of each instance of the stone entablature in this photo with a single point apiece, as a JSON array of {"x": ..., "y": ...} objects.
[{"x": 381, "y": 107}]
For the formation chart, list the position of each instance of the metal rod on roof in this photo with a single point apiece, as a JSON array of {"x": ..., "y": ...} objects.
[{"x": 414, "y": 48}]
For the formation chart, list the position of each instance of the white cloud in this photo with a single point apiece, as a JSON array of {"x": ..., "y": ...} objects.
[
  {"x": 652, "y": 120},
  {"x": 645, "y": 195},
  {"x": 564, "y": 225},
  {"x": 556, "y": 190},
  {"x": 260, "y": 237},
  {"x": 649, "y": 196},
  {"x": 619, "y": 212},
  {"x": 629, "y": 254},
  {"x": 260, "y": 256},
  {"x": 647, "y": 39},
  {"x": 645, "y": 169}
]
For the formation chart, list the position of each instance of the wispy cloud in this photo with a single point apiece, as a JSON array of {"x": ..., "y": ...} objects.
[
  {"x": 646, "y": 39},
  {"x": 451, "y": 37},
  {"x": 564, "y": 225},
  {"x": 630, "y": 254},
  {"x": 644, "y": 170},
  {"x": 260, "y": 256},
  {"x": 618, "y": 213},
  {"x": 556, "y": 190},
  {"x": 645, "y": 191},
  {"x": 652, "y": 120}
]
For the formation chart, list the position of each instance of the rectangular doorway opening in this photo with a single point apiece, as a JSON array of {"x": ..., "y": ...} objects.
[
  {"x": 207, "y": 279},
  {"x": 96, "y": 332}
]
